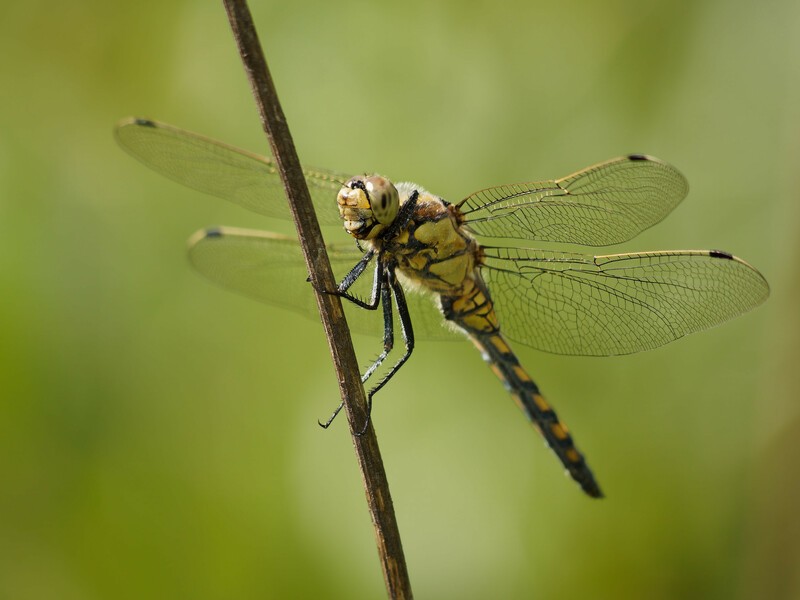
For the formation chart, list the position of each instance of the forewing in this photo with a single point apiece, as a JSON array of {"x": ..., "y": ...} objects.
[
  {"x": 213, "y": 167},
  {"x": 605, "y": 204},
  {"x": 269, "y": 267},
  {"x": 616, "y": 304}
]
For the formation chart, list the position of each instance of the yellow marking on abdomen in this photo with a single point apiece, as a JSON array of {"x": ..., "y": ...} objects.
[
  {"x": 559, "y": 431},
  {"x": 541, "y": 403},
  {"x": 521, "y": 374},
  {"x": 473, "y": 311},
  {"x": 500, "y": 344}
]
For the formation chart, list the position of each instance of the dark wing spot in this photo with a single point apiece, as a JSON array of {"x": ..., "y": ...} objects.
[
  {"x": 214, "y": 232},
  {"x": 637, "y": 157},
  {"x": 720, "y": 254},
  {"x": 144, "y": 122}
]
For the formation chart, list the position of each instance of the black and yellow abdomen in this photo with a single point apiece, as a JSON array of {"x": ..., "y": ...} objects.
[
  {"x": 504, "y": 363},
  {"x": 473, "y": 311}
]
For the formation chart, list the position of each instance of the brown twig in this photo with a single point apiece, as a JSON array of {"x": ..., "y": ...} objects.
[{"x": 373, "y": 474}]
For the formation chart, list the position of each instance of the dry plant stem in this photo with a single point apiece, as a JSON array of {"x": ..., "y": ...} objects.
[{"x": 379, "y": 500}]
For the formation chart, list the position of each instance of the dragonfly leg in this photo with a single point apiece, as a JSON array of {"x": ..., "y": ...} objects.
[
  {"x": 327, "y": 423},
  {"x": 408, "y": 339},
  {"x": 383, "y": 293},
  {"x": 352, "y": 277},
  {"x": 388, "y": 332},
  {"x": 388, "y": 344}
]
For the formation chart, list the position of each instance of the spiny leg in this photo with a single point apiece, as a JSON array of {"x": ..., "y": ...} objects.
[
  {"x": 406, "y": 329},
  {"x": 388, "y": 332},
  {"x": 384, "y": 286},
  {"x": 375, "y": 299},
  {"x": 352, "y": 277},
  {"x": 388, "y": 344}
]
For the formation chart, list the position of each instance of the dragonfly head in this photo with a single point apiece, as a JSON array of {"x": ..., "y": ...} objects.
[{"x": 367, "y": 205}]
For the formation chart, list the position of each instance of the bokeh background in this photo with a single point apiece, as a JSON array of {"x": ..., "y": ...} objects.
[{"x": 158, "y": 434}]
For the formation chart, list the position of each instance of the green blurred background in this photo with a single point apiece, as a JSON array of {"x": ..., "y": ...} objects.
[{"x": 158, "y": 434}]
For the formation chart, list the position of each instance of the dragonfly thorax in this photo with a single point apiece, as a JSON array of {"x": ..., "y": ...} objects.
[{"x": 367, "y": 205}]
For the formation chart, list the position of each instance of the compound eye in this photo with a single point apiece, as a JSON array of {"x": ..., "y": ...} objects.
[{"x": 384, "y": 199}]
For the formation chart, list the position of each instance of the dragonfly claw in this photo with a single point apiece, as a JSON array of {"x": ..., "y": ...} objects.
[
  {"x": 327, "y": 423},
  {"x": 364, "y": 429}
]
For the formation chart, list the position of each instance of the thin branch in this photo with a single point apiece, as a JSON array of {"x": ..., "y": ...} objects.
[{"x": 379, "y": 500}]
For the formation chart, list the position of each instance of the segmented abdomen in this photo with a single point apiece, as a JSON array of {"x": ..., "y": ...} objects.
[{"x": 474, "y": 312}]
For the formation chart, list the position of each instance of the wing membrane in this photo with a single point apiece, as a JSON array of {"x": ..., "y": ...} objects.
[
  {"x": 616, "y": 304},
  {"x": 269, "y": 267},
  {"x": 215, "y": 168},
  {"x": 557, "y": 302},
  {"x": 605, "y": 204}
]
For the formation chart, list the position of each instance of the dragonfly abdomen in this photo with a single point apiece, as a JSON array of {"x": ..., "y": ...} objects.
[
  {"x": 473, "y": 311},
  {"x": 502, "y": 360}
]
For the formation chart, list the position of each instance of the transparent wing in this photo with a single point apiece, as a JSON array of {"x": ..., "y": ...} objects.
[
  {"x": 269, "y": 267},
  {"x": 616, "y": 304},
  {"x": 605, "y": 204},
  {"x": 213, "y": 167}
]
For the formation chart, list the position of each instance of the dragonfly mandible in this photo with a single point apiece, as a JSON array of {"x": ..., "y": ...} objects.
[{"x": 561, "y": 302}]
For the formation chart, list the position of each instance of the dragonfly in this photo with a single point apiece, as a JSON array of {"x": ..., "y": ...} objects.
[{"x": 465, "y": 280}]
